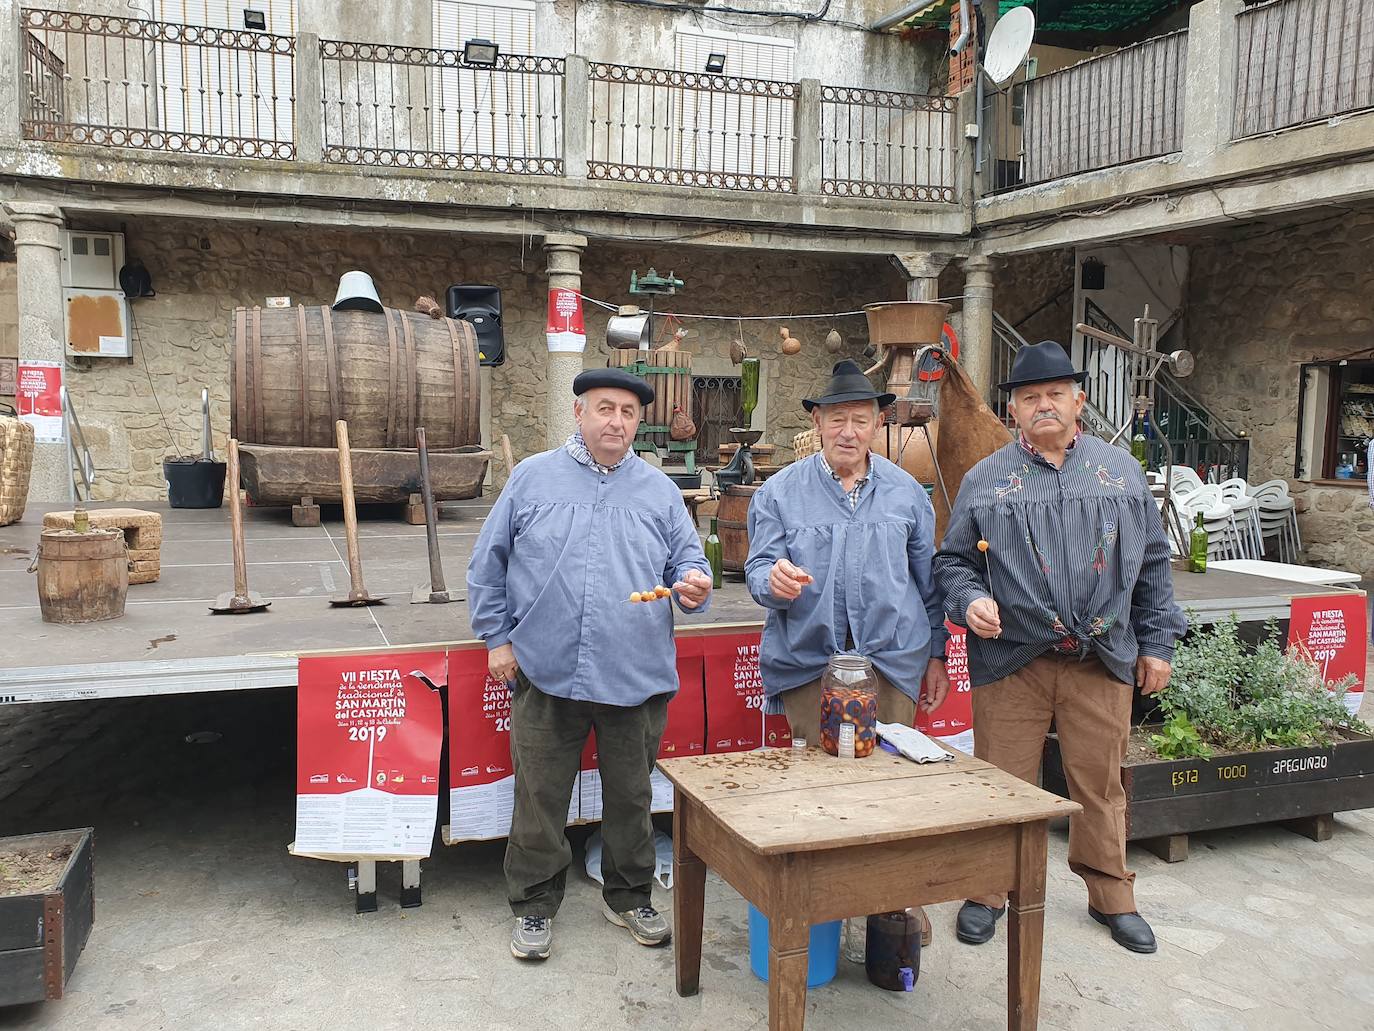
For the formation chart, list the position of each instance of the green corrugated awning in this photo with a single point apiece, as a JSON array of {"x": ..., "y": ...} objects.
[
  {"x": 1063, "y": 15},
  {"x": 1090, "y": 15}
]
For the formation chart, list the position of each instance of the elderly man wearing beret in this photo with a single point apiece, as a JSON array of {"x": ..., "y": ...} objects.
[{"x": 576, "y": 532}]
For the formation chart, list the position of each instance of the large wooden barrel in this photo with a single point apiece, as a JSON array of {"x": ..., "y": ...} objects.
[
  {"x": 295, "y": 371},
  {"x": 732, "y": 526},
  {"x": 82, "y": 577}
]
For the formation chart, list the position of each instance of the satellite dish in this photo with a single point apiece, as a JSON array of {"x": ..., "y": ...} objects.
[{"x": 1009, "y": 44}]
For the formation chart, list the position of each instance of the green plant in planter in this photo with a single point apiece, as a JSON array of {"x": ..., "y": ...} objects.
[{"x": 1226, "y": 695}]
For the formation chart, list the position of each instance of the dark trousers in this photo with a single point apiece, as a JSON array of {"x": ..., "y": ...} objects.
[{"x": 547, "y": 735}]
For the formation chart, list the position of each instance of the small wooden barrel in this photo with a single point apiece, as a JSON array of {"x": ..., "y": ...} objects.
[
  {"x": 82, "y": 577},
  {"x": 732, "y": 525}
]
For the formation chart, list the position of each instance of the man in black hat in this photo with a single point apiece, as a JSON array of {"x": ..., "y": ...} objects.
[
  {"x": 840, "y": 546},
  {"x": 1055, "y": 559},
  {"x": 570, "y": 565}
]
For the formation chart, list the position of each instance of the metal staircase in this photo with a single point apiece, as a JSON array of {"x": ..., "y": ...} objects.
[{"x": 1198, "y": 437}]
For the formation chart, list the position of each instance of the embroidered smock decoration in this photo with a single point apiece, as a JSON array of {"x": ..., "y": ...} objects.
[{"x": 1082, "y": 560}]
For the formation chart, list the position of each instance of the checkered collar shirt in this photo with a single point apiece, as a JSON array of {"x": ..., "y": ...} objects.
[
  {"x": 857, "y": 491},
  {"x": 577, "y": 447},
  {"x": 1035, "y": 452}
]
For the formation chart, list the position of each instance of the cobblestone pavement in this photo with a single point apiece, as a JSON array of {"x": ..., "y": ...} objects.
[{"x": 204, "y": 921}]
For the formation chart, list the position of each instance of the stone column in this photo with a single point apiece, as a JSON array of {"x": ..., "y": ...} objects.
[
  {"x": 1210, "y": 92},
  {"x": 12, "y": 86},
  {"x": 922, "y": 270},
  {"x": 577, "y": 115},
  {"x": 309, "y": 99},
  {"x": 564, "y": 255},
  {"x": 806, "y": 160},
  {"x": 42, "y": 326},
  {"x": 976, "y": 354}
]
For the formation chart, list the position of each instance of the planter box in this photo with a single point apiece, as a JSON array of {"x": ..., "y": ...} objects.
[
  {"x": 1166, "y": 799},
  {"x": 42, "y": 933}
]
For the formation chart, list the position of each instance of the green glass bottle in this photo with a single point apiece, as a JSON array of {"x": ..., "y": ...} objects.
[
  {"x": 1140, "y": 447},
  {"x": 1197, "y": 547},
  {"x": 749, "y": 389},
  {"x": 715, "y": 555}
]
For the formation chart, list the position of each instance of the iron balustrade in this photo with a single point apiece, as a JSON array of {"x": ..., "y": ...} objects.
[{"x": 893, "y": 146}]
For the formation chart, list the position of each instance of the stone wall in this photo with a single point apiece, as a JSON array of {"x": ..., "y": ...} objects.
[
  {"x": 202, "y": 271},
  {"x": 1260, "y": 304}
]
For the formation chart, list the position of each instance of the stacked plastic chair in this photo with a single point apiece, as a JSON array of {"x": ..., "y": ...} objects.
[{"x": 1278, "y": 518}]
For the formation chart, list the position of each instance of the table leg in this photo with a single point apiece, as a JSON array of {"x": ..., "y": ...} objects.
[
  {"x": 689, "y": 901},
  {"x": 789, "y": 941},
  {"x": 1026, "y": 927}
]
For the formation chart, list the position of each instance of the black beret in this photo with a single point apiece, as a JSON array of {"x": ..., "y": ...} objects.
[{"x": 618, "y": 378}]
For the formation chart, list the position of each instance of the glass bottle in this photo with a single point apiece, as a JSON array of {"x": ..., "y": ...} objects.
[
  {"x": 1140, "y": 447},
  {"x": 81, "y": 520},
  {"x": 849, "y": 707},
  {"x": 1197, "y": 547},
  {"x": 749, "y": 389},
  {"x": 715, "y": 554}
]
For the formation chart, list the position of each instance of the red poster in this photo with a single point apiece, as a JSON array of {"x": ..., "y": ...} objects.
[
  {"x": 1329, "y": 632},
  {"x": 952, "y": 722},
  {"x": 734, "y": 697},
  {"x": 684, "y": 734},
  {"x": 565, "y": 329},
  {"x": 39, "y": 399},
  {"x": 369, "y": 736}
]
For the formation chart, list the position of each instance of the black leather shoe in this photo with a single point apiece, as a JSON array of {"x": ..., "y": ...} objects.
[
  {"x": 977, "y": 923},
  {"x": 1129, "y": 930}
]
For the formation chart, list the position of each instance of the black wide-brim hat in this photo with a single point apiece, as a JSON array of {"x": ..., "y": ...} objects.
[
  {"x": 617, "y": 378},
  {"x": 1044, "y": 362},
  {"x": 848, "y": 383}
]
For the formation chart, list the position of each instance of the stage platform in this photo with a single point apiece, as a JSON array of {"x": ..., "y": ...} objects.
[{"x": 168, "y": 642}]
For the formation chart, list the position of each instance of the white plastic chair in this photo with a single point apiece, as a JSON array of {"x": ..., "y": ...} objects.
[
  {"x": 1278, "y": 514},
  {"x": 1185, "y": 480},
  {"x": 1218, "y": 519},
  {"x": 1235, "y": 492}
]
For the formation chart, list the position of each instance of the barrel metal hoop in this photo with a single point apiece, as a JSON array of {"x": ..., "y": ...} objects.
[
  {"x": 331, "y": 365},
  {"x": 240, "y": 417},
  {"x": 413, "y": 391},
  {"x": 303, "y": 345},
  {"x": 458, "y": 370},
  {"x": 391, "y": 379},
  {"x": 258, "y": 418}
]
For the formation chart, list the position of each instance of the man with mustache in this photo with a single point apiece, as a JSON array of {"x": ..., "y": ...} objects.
[
  {"x": 1055, "y": 559},
  {"x": 575, "y": 533}
]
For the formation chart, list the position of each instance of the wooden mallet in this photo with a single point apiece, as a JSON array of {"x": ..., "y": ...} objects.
[
  {"x": 240, "y": 599},
  {"x": 435, "y": 593},
  {"x": 357, "y": 593}
]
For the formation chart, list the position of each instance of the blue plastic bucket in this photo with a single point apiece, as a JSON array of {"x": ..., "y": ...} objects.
[{"x": 821, "y": 962}]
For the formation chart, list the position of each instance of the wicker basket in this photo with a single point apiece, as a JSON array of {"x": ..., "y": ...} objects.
[
  {"x": 806, "y": 443},
  {"x": 16, "y": 462}
]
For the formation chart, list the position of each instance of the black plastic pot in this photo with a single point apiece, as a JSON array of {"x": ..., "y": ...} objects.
[{"x": 194, "y": 482}]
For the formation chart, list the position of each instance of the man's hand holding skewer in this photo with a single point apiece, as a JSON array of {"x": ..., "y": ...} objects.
[{"x": 786, "y": 581}]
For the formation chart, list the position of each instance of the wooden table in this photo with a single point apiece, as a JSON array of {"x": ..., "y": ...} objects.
[{"x": 809, "y": 838}]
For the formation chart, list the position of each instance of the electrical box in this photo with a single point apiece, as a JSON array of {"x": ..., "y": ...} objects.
[
  {"x": 91, "y": 260},
  {"x": 97, "y": 323}
]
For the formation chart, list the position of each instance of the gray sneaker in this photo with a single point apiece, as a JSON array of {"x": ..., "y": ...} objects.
[
  {"x": 532, "y": 937},
  {"x": 645, "y": 924}
]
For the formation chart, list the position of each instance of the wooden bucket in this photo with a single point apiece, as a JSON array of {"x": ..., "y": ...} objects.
[
  {"x": 670, "y": 374},
  {"x": 294, "y": 371},
  {"x": 82, "y": 577},
  {"x": 732, "y": 526}
]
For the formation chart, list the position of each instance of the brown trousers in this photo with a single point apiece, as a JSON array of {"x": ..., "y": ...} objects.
[
  {"x": 803, "y": 708},
  {"x": 1092, "y": 715}
]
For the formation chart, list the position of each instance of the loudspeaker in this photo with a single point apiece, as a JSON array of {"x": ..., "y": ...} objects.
[
  {"x": 480, "y": 306},
  {"x": 1093, "y": 275}
]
